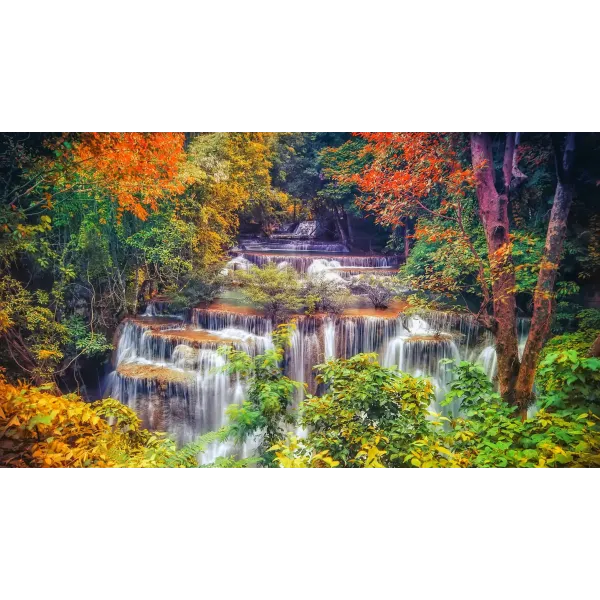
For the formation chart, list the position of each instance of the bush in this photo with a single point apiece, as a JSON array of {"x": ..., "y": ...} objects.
[
  {"x": 368, "y": 416},
  {"x": 199, "y": 288},
  {"x": 567, "y": 375},
  {"x": 41, "y": 429},
  {"x": 569, "y": 379},
  {"x": 325, "y": 294},
  {"x": 276, "y": 291},
  {"x": 376, "y": 417},
  {"x": 490, "y": 434},
  {"x": 270, "y": 393},
  {"x": 379, "y": 289}
]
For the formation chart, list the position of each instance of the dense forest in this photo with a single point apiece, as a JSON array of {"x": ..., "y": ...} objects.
[{"x": 300, "y": 300}]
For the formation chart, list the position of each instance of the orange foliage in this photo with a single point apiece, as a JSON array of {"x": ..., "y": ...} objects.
[
  {"x": 137, "y": 169},
  {"x": 405, "y": 170}
]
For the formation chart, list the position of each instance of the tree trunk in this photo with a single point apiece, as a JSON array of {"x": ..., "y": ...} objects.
[
  {"x": 349, "y": 227},
  {"x": 595, "y": 349},
  {"x": 493, "y": 210},
  {"x": 544, "y": 297},
  {"x": 407, "y": 232},
  {"x": 403, "y": 233},
  {"x": 340, "y": 226}
]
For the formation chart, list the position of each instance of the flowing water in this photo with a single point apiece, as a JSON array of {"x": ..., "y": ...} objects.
[{"x": 170, "y": 370}]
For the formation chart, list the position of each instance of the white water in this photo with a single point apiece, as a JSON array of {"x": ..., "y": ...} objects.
[{"x": 198, "y": 404}]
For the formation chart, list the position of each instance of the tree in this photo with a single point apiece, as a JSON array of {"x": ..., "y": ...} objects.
[
  {"x": 275, "y": 290},
  {"x": 427, "y": 174},
  {"x": 376, "y": 417},
  {"x": 368, "y": 415},
  {"x": 545, "y": 297},
  {"x": 136, "y": 169},
  {"x": 98, "y": 224},
  {"x": 379, "y": 289},
  {"x": 322, "y": 293}
]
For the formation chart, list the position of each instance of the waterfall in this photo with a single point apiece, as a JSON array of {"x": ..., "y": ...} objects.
[
  {"x": 329, "y": 338},
  {"x": 282, "y": 245},
  {"x": 216, "y": 320},
  {"x": 489, "y": 361},
  {"x": 487, "y": 357},
  {"x": 168, "y": 370},
  {"x": 305, "y": 229},
  {"x": 172, "y": 376},
  {"x": 322, "y": 265},
  {"x": 302, "y": 263},
  {"x": 238, "y": 263}
]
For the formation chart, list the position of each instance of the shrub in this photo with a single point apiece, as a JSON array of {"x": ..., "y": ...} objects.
[
  {"x": 275, "y": 290},
  {"x": 379, "y": 289},
  {"x": 41, "y": 429},
  {"x": 265, "y": 413},
  {"x": 368, "y": 415},
  {"x": 325, "y": 294}
]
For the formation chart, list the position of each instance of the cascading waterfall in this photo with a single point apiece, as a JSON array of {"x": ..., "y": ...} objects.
[
  {"x": 487, "y": 357},
  {"x": 173, "y": 377},
  {"x": 329, "y": 338},
  {"x": 218, "y": 320},
  {"x": 283, "y": 245},
  {"x": 302, "y": 263},
  {"x": 171, "y": 372}
]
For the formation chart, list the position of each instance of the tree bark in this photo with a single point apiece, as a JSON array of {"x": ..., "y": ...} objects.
[
  {"x": 406, "y": 232},
  {"x": 595, "y": 349},
  {"x": 493, "y": 210},
  {"x": 349, "y": 227},
  {"x": 544, "y": 297},
  {"x": 340, "y": 225}
]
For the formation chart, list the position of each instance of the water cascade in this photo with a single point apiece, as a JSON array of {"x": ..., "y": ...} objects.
[
  {"x": 302, "y": 262},
  {"x": 171, "y": 375},
  {"x": 170, "y": 369}
]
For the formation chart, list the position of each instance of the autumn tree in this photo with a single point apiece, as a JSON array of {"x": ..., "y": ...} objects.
[
  {"x": 71, "y": 208},
  {"x": 432, "y": 175}
]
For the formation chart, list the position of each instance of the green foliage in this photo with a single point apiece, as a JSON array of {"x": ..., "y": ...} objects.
[
  {"x": 265, "y": 414},
  {"x": 567, "y": 310},
  {"x": 275, "y": 290},
  {"x": 589, "y": 319},
  {"x": 35, "y": 340},
  {"x": 568, "y": 379},
  {"x": 201, "y": 287},
  {"x": 440, "y": 263},
  {"x": 490, "y": 434},
  {"x": 368, "y": 415},
  {"x": 227, "y": 462},
  {"x": 380, "y": 290},
  {"x": 372, "y": 417},
  {"x": 322, "y": 294},
  {"x": 86, "y": 342},
  {"x": 294, "y": 454},
  {"x": 566, "y": 375}
]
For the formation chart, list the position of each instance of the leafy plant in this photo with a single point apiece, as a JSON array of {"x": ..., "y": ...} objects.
[
  {"x": 489, "y": 434},
  {"x": 265, "y": 414},
  {"x": 379, "y": 289},
  {"x": 275, "y": 290},
  {"x": 41, "y": 429},
  {"x": 324, "y": 294},
  {"x": 368, "y": 415}
]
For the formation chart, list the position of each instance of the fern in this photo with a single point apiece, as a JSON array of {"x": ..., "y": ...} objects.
[{"x": 187, "y": 456}]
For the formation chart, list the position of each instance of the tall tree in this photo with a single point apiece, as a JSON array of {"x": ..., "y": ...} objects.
[
  {"x": 544, "y": 297},
  {"x": 426, "y": 174}
]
